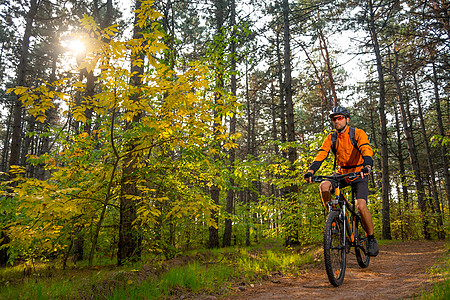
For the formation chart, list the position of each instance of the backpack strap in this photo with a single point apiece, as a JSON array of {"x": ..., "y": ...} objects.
[
  {"x": 333, "y": 141},
  {"x": 351, "y": 133},
  {"x": 333, "y": 147}
]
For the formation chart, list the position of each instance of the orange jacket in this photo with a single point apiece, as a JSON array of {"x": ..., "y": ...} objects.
[{"x": 348, "y": 158}]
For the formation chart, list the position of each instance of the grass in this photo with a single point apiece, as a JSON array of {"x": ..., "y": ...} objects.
[
  {"x": 45, "y": 281},
  {"x": 212, "y": 272},
  {"x": 193, "y": 278},
  {"x": 440, "y": 291},
  {"x": 268, "y": 260}
]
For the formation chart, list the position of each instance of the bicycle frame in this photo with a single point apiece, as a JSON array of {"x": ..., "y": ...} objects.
[
  {"x": 341, "y": 202},
  {"x": 350, "y": 228},
  {"x": 339, "y": 233}
]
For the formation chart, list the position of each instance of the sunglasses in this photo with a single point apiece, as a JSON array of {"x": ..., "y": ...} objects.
[{"x": 338, "y": 118}]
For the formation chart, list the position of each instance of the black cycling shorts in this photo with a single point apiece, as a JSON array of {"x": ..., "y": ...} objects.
[{"x": 360, "y": 187}]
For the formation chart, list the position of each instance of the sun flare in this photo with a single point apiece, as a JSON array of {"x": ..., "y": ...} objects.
[{"x": 75, "y": 46}]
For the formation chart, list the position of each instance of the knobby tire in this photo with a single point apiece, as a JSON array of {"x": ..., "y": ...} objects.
[
  {"x": 334, "y": 249},
  {"x": 361, "y": 248}
]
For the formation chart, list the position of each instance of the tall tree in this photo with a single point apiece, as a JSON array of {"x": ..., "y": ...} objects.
[
  {"x": 281, "y": 84},
  {"x": 411, "y": 148},
  {"x": 129, "y": 236},
  {"x": 230, "y": 193},
  {"x": 442, "y": 145},
  {"x": 220, "y": 13},
  {"x": 431, "y": 167},
  {"x": 385, "y": 186},
  {"x": 326, "y": 58},
  {"x": 21, "y": 81},
  {"x": 17, "y": 111},
  {"x": 400, "y": 159},
  {"x": 290, "y": 122}
]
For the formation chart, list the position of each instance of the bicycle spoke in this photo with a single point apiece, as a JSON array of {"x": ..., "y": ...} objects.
[{"x": 334, "y": 249}]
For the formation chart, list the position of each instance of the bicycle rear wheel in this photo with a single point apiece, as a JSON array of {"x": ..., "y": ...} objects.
[
  {"x": 361, "y": 247},
  {"x": 334, "y": 248}
]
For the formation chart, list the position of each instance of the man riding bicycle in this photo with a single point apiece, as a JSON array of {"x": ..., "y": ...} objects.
[{"x": 353, "y": 153}]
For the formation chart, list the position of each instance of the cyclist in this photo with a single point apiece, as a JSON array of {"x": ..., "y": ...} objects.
[{"x": 352, "y": 154}]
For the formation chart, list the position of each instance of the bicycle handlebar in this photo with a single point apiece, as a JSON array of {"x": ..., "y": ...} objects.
[{"x": 336, "y": 177}]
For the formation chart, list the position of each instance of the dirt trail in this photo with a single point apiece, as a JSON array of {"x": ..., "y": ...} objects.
[{"x": 398, "y": 272}]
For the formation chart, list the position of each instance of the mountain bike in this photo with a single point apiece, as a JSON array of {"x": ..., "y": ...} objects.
[{"x": 342, "y": 233}]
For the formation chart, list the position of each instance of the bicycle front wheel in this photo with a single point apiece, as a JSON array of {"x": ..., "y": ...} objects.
[
  {"x": 334, "y": 248},
  {"x": 361, "y": 246}
]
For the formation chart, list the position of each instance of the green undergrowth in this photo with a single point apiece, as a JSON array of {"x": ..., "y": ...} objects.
[
  {"x": 212, "y": 272},
  {"x": 193, "y": 278}
]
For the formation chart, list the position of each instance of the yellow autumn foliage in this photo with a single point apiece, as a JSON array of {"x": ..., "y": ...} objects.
[{"x": 171, "y": 145}]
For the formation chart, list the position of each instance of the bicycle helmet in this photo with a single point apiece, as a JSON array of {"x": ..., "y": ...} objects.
[{"x": 339, "y": 110}]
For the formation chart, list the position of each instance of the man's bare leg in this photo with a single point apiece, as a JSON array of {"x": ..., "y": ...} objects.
[
  {"x": 325, "y": 192},
  {"x": 366, "y": 217}
]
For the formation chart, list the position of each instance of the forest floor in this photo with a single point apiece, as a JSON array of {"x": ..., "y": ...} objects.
[{"x": 401, "y": 270}]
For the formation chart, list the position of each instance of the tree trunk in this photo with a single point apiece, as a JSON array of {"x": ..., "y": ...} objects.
[
  {"x": 51, "y": 114},
  {"x": 27, "y": 140},
  {"x": 274, "y": 191},
  {"x": 385, "y": 185},
  {"x": 4, "y": 166},
  {"x": 250, "y": 152},
  {"x": 247, "y": 217},
  {"x": 292, "y": 151},
  {"x": 326, "y": 58},
  {"x": 437, "y": 206},
  {"x": 401, "y": 160},
  {"x": 442, "y": 134},
  {"x": 282, "y": 105},
  {"x": 273, "y": 110},
  {"x": 129, "y": 248},
  {"x": 376, "y": 180},
  {"x": 78, "y": 248},
  {"x": 288, "y": 87},
  {"x": 88, "y": 95},
  {"x": 220, "y": 6},
  {"x": 21, "y": 73},
  {"x": 129, "y": 237},
  {"x": 230, "y": 193},
  {"x": 17, "y": 111},
  {"x": 4, "y": 257},
  {"x": 281, "y": 85},
  {"x": 412, "y": 151}
]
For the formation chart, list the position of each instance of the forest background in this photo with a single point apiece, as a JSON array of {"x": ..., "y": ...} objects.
[{"x": 187, "y": 125}]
